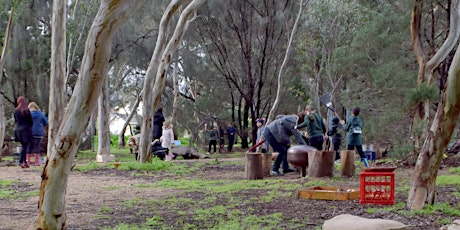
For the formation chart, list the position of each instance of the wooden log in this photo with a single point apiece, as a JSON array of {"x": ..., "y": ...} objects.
[
  {"x": 254, "y": 167},
  {"x": 347, "y": 162},
  {"x": 266, "y": 164},
  {"x": 321, "y": 163}
]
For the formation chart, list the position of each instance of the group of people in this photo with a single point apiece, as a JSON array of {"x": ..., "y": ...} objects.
[
  {"x": 212, "y": 135},
  {"x": 162, "y": 138},
  {"x": 278, "y": 135},
  {"x": 30, "y": 123}
]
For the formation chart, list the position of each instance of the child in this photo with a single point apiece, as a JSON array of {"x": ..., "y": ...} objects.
[{"x": 354, "y": 134}]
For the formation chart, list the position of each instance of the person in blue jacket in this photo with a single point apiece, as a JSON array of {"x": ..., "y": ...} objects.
[
  {"x": 354, "y": 138},
  {"x": 38, "y": 132},
  {"x": 278, "y": 135}
]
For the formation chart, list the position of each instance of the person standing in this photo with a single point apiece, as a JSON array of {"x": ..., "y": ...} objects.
[
  {"x": 23, "y": 129},
  {"x": 167, "y": 139},
  {"x": 353, "y": 128},
  {"x": 336, "y": 136},
  {"x": 158, "y": 120},
  {"x": 38, "y": 132},
  {"x": 278, "y": 135},
  {"x": 212, "y": 138},
  {"x": 221, "y": 138},
  {"x": 260, "y": 132},
  {"x": 315, "y": 127},
  {"x": 231, "y": 133}
]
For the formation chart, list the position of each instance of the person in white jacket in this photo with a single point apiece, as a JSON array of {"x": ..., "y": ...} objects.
[{"x": 167, "y": 139}]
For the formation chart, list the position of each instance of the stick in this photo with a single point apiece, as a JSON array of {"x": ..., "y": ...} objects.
[{"x": 255, "y": 146}]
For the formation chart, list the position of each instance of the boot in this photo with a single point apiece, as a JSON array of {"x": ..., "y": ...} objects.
[
  {"x": 28, "y": 160},
  {"x": 366, "y": 163},
  {"x": 37, "y": 159}
]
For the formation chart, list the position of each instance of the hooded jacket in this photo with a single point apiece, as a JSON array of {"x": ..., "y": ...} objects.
[{"x": 283, "y": 128}]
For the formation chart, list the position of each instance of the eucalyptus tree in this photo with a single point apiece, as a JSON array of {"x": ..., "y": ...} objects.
[
  {"x": 245, "y": 41},
  {"x": 51, "y": 205},
  {"x": 157, "y": 70},
  {"x": 6, "y": 41},
  {"x": 433, "y": 51},
  {"x": 437, "y": 136}
]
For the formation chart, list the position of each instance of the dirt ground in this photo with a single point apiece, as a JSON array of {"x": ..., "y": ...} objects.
[{"x": 88, "y": 192}]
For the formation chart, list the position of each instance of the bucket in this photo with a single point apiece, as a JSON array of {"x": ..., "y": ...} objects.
[
  {"x": 18, "y": 149},
  {"x": 42, "y": 160}
]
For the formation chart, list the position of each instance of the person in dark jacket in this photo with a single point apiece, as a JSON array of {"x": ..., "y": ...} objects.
[
  {"x": 336, "y": 136},
  {"x": 354, "y": 134},
  {"x": 23, "y": 128},
  {"x": 158, "y": 120},
  {"x": 231, "y": 133},
  {"x": 278, "y": 135},
  {"x": 38, "y": 132},
  {"x": 315, "y": 126}
]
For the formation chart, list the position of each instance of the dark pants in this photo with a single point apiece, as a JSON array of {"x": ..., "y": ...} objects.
[
  {"x": 212, "y": 143},
  {"x": 336, "y": 141},
  {"x": 359, "y": 148},
  {"x": 34, "y": 147},
  {"x": 231, "y": 141},
  {"x": 317, "y": 142},
  {"x": 22, "y": 156},
  {"x": 280, "y": 148}
]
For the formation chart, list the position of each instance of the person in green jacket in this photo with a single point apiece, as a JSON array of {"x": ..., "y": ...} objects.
[
  {"x": 354, "y": 138},
  {"x": 315, "y": 127}
]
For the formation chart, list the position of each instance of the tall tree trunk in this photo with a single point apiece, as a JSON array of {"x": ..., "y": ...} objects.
[
  {"x": 272, "y": 113},
  {"x": 150, "y": 80},
  {"x": 121, "y": 135},
  {"x": 51, "y": 205},
  {"x": 57, "y": 97},
  {"x": 2, "y": 65},
  {"x": 103, "y": 131},
  {"x": 175, "y": 106},
  {"x": 422, "y": 190},
  {"x": 158, "y": 68},
  {"x": 420, "y": 124}
]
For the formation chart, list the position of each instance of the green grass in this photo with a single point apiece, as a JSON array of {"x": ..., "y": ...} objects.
[{"x": 448, "y": 180}]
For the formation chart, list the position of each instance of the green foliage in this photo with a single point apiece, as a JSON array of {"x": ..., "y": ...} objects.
[
  {"x": 421, "y": 93},
  {"x": 401, "y": 151}
]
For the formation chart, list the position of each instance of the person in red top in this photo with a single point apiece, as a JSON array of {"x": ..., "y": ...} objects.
[{"x": 23, "y": 128}]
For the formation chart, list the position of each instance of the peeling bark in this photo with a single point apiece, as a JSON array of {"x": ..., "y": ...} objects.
[{"x": 51, "y": 205}]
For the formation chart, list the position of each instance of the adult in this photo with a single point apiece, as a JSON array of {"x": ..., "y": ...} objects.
[
  {"x": 278, "y": 135},
  {"x": 336, "y": 137},
  {"x": 231, "y": 133},
  {"x": 353, "y": 128},
  {"x": 38, "y": 132},
  {"x": 212, "y": 138},
  {"x": 260, "y": 133},
  {"x": 315, "y": 127},
  {"x": 167, "y": 139},
  {"x": 158, "y": 119},
  {"x": 221, "y": 138},
  {"x": 23, "y": 129}
]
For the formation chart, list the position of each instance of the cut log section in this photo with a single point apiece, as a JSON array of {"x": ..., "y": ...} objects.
[
  {"x": 347, "y": 161},
  {"x": 321, "y": 163},
  {"x": 254, "y": 168}
]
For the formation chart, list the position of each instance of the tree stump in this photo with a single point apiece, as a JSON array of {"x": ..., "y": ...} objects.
[
  {"x": 321, "y": 163},
  {"x": 347, "y": 161},
  {"x": 266, "y": 164},
  {"x": 254, "y": 167}
]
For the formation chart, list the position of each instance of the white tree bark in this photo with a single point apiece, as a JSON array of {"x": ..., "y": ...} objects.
[
  {"x": 110, "y": 17},
  {"x": 156, "y": 72},
  {"x": 2, "y": 65},
  {"x": 58, "y": 70},
  {"x": 423, "y": 184},
  {"x": 272, "y": 114},
  {"x": 103, "y": 129}
]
